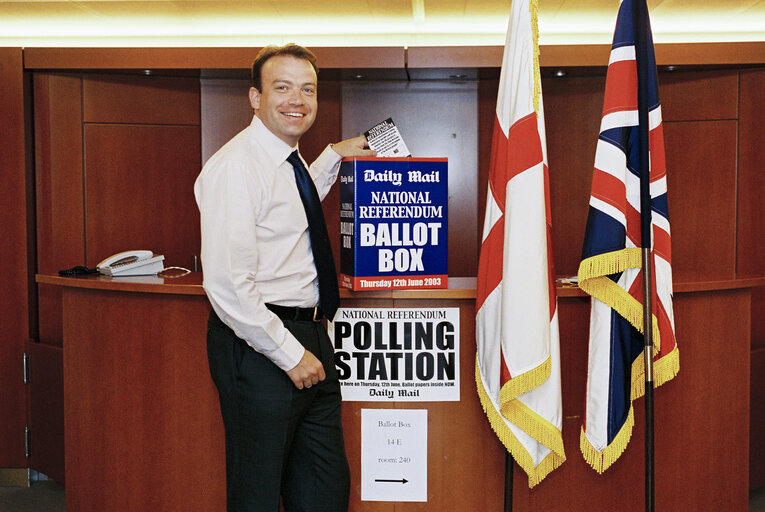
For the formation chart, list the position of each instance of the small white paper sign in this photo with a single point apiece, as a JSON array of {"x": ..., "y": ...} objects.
[
  {"x": 385, "y": 138},
  {"x": 394, "y": 455}
]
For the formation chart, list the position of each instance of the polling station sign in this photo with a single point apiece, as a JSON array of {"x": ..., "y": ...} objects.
[
  {"x": 393, "y": 223},
  {"x": 397, "y": 355}
]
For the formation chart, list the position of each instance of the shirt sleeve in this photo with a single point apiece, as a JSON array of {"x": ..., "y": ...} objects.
[
  {"x": 228, "y": 200},
  {"x": 324, "y": 170}
]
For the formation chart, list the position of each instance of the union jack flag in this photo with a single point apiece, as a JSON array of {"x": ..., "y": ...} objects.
[
  {"x": 610, "y": 270},
  {"x": 518, "y": 360}
]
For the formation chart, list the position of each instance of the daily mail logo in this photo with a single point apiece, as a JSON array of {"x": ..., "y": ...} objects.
[{"x": 393, "y": 223}]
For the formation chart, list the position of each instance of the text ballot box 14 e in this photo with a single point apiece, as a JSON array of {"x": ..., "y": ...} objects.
[{"x": 393, "y": 223}]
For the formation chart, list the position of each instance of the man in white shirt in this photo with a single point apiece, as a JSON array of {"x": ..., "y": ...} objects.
[{"x": 269, "y": 355}]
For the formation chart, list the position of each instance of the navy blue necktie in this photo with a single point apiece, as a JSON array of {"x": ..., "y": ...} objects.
[{"x": 329, "y": 297}]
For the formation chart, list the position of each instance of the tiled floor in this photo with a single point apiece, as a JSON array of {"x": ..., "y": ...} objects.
[{"x": 48, "y": 496}]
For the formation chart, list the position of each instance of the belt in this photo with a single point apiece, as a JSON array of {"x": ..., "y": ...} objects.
[{"x": 313, "y": 314}]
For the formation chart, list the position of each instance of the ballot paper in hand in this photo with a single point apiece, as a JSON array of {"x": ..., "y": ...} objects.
[{"x": 385, "y": 138}]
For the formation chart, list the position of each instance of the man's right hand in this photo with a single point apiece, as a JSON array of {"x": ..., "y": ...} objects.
[
  {"x": 309, "y": 371},
  {"x": 357, "y": 146}
]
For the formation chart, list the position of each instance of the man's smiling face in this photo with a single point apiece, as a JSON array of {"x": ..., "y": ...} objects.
[{"x": 287, "y": 102}]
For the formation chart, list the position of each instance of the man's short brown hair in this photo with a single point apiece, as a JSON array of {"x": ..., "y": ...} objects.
[{"x": 267, "y": 52}]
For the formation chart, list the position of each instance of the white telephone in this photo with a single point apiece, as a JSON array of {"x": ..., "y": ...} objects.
[{"x": 132, "y": 263}]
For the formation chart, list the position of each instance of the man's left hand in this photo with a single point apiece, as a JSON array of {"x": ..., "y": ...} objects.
[{"x": 357, "y": 146}]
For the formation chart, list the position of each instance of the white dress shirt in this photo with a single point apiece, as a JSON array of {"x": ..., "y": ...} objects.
[{"x": 255, "y": 243}]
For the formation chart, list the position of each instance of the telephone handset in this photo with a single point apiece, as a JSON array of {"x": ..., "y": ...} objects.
[{"x": 132, "y": 263}]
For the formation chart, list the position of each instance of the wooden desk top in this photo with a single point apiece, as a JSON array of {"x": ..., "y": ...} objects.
[
  {"x": 191, "y": 284},
  {"x": 459, "y": 287}
]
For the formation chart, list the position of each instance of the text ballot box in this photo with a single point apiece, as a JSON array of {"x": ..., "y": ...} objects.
[{"x": 393, "y": 223}]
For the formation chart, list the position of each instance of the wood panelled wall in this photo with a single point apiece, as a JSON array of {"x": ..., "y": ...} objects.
[
  {"x": 14, "y": 217},
  {"x": 116, "y": 157},
  {"x": 750, "y": 256},
  {"x": 757, "y": 398}
]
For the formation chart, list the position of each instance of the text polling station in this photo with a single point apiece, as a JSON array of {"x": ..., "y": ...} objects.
[{"x": 397, "y": 354}]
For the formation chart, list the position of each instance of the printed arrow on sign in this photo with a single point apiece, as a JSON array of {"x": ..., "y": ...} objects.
[{"x": 402, "y": 481}]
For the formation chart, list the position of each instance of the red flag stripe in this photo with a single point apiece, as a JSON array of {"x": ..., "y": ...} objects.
[
  {"x": 609, "y": 189},
  {"x": 658, "y": 163},
  {"x": 498, "y": 164},
  {"x": 619, "y": 94},
  {"x": 662, "y": 244},
  {"x": 633, "y": 225},
  {"x": 524, "y": 149},
  {"x": 489, "y": 273}
]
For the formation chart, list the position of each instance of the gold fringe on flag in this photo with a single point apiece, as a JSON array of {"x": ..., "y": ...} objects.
[
  {"x": 533, "y": 424},
  {"x": 525, "y": 382},
  {"x": 593, "y": 280},
  {"x": 544, "y": 429},
  {"x": 534, "y": 11},
  {"x": 664, "y": 370},
  {"x": 600, "y": 461}
]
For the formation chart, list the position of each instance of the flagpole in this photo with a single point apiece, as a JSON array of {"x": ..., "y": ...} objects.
[
  {"x": 648, "y": 357},
  {"x": 508, "y": 482},
  {"x": 640, "y": 18}
]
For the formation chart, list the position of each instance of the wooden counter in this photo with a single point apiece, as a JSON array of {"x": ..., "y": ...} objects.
[
  {"x": 142, "y": 424},
  {"x": 143, "y": 428},
  {"x": 191, "y": 284}
]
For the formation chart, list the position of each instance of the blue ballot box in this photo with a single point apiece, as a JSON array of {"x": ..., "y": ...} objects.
[{"x": 393, "y": 223}]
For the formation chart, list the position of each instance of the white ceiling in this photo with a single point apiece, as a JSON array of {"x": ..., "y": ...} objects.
[{"x": 356, "y": 23}]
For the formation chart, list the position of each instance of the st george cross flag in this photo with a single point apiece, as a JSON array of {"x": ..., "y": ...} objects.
[
  {"x": 610, "y": 270},
  {"x": 518, "y": 359}
]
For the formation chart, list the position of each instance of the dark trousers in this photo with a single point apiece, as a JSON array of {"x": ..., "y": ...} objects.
[{"x": 279, "y": 440}]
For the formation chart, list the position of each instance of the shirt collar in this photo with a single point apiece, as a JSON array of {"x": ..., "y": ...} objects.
[{"x": 274, "y": 147}]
